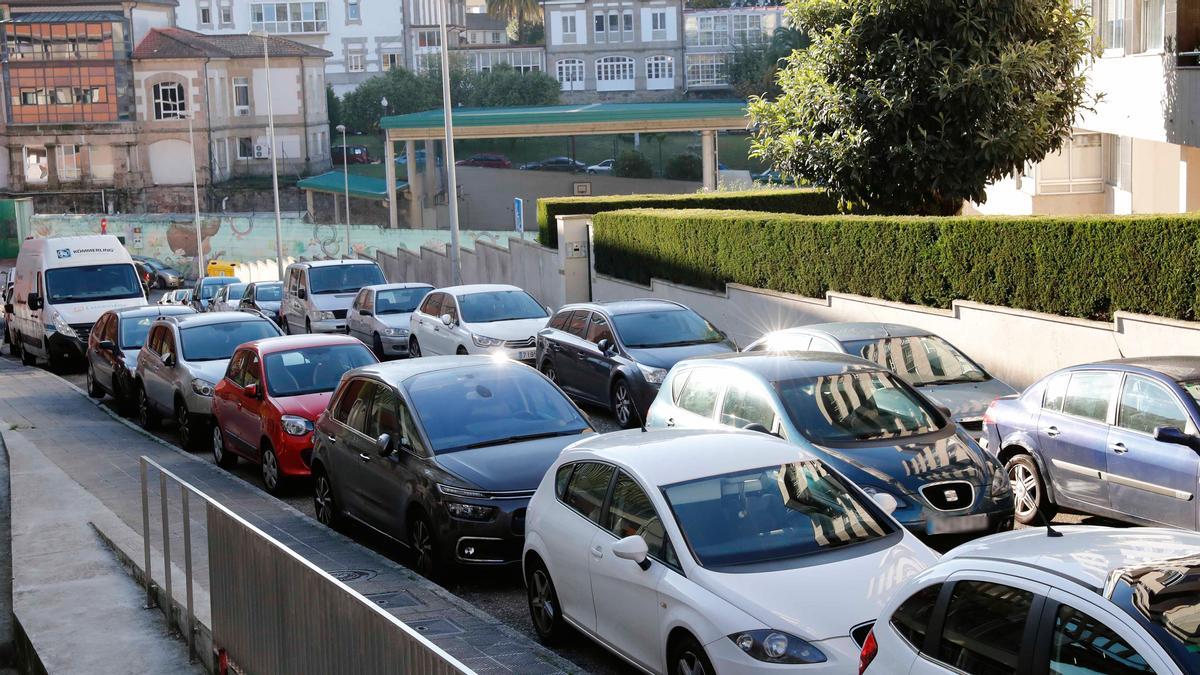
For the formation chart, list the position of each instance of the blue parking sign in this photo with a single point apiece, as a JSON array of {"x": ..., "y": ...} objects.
[{"x": 519, "y": 213}]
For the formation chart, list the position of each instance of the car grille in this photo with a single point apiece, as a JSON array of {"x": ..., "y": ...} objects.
[
  {"x": 518, "y": 522},
  {"x": 339, "y": 313},
  {"x": 972, "y": 423},
  {"x": 949, "y": 496},
  {"x": 859, "y": 633},
  {"x": 82, "y": 329},
  {"x": 519, "y": 344}
]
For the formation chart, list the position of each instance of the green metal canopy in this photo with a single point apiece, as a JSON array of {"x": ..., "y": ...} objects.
[
  {"x": 570, "y": 120},
  {"x": 361, "y": 187}
]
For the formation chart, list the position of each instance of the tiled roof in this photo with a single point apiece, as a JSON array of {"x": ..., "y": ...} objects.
[{"x": 177, "y": 43}]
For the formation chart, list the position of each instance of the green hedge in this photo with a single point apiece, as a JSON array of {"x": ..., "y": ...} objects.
[
  {"x": 1088, "y": 266},
  {"x": 800, "y": 200}
]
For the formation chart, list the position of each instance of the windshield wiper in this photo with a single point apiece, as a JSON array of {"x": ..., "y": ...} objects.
[
  {"x": 523, "y": 437},
  {"x": 678, "y": 343}
]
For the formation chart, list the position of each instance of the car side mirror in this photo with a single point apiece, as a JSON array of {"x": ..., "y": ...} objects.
[
  {"x": 886, "y": 502},
  {"x": 1176, "y": 436},
  {"x": 363, "y": 312},
  {"x": 8, "y": 308},
  {"x": 604, "y": 345},
  {"x": 107, "y": 345},
  {"x": 34, "y": 300},
  {"x": 301, "y": 293},
  {"x": 447, "y": 320},
  {"x": 633, "y": 548},
  {"x": 251, "y": 390},
  {"x": 945, "y": 412},
  {"x": 383, "y": 445},
  {"x": 169, "y": 360}
]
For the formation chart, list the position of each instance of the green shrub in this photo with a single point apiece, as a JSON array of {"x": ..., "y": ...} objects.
[
  {"x": 632, "y": 164},
  {"x": 799, "y": 200},
  {"x": 684, "y": 167},
  {"x": 1089, "y": 266}
]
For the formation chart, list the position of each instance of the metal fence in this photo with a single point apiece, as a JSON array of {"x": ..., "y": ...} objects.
[{"x": 273, "y": 611}]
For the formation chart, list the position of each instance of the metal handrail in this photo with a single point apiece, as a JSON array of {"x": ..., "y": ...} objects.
[{"x": 186, "y": 488}]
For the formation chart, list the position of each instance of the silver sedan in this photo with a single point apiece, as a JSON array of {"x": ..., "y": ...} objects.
[{"x": 380, "y": 316}]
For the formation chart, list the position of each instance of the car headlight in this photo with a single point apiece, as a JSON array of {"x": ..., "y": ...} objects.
[
  {"x": 296, "y": 425},
  {"x": 62, "y": 326},
  {"x": 202, "y": 387},
  {"x": 325, "y": 316},
  {"x": 470, "y": 511},
  {"x": 483, "y": 341},
  {"x": 395, "y": 332},
  {"x": 873, "y": 490},
  {"x": 775, "y": 646},
  {"x": 652, "y": 375}
]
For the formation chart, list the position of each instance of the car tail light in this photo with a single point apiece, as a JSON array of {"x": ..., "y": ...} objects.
[{"x": 870, "y": 649}]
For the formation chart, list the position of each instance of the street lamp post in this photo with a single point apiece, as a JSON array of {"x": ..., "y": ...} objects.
[
  {"x": 451, "y": 177},
  {"x": 346, "y": 183},
  {"x": 274, "y": 167},
  {"x": 196, "y": 201}
]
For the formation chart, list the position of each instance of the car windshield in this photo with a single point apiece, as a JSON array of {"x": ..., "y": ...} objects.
[
  {"x": 209, "y": 287},
  {"x": 183, "y": 296},
  {"x": 772, "y": 513},
  {"x": 312, "y": 369},
  {"x": 856, "y": 406},
  {"x": 920, "y": 359},
  {"x": 88, "y": 283},
  {"x": 218, "y": 340},
  {"x": 665, "y": 328},
  {"x": 269, "y": 292},
  {"x": 499, "y": 306},
  {"x": 134, "y": 329},
  {"x": 1163, "y": 598},
  {"x": 400, "y": 300},
  {"x": 236, "y": 291},
  {"x": 490, "y": 405},
  {"x": 343, "y": 278}
]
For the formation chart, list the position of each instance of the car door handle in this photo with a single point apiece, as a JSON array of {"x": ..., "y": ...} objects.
[
  {"x": 331, "y": 439},
  {"x": 1119, "y": 448},
  {"x": 1051, "y": 431},
  {"x": 364, "y": 456},
  {"x": 670, "y": 421},
  {"x": 554, "y": 346},
  {"x": 597, "y": 552}
]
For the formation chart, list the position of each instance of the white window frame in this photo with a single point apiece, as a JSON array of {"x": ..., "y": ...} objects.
[
  {"x": 68, "y": 169},
  {"x": 658, "y": 25},
  {"x": 660, "y": 72},
  {"x": 356, "y": 61},
  {"x": 570, "y": 74},
  {"x": 1073, "y": 184},
  {"x": 225, "y": 12},
  {"x": 570, "y": 35},
  {"x": 627, "y": 26},
  {"x": 616, "y": 73},
  {"x": 1147, "y": 18},
  {"x": 353, "y": 11},
  {"x": 707, "y": 70},
  {"x": 304, "y": 16},
  {"x": 201, "y": 10},
  {"x": 38, "y": 150},
  {"x": 391, "y": 60},
  {"x": 243, "y": 83},
  {"x": 237, "y": 142},
  {"x": 173, "y": 107},
  {"x": 1113, "y": 27}
]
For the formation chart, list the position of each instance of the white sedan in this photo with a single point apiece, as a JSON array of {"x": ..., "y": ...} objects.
[
  {"x": 1079, "y": 601},
  {"x": 605, "y": 167},
  {"x": 689, "y": 552}
]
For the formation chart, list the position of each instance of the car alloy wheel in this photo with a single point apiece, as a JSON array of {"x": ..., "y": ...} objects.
[
  {"x": 622, "y": 404},
  {"x": 377, "y": 342},
  {"x": 414, "y": 349},
  {"x": 688, "y": 658},
  {"x": 270, "y": 471},
  {"x": 93, "y": 387},
  {"x": 543, "y": 604},
  {"x": 323, "y": 504},
  {"x": 223, "y": 459},
  {"x": 1028, "y": 494},
  {"x": 184, "y": 422},
  {"x": 420, "y": 539},
  {"x": 145, "y": 413},
  {"x": 550, "y": 373}
]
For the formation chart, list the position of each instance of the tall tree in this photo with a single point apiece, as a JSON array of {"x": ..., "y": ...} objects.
[
  {"x": 914, "y": 106},
  {"x": 522, "y": 11},
  {"x": 753, "y": 70}
]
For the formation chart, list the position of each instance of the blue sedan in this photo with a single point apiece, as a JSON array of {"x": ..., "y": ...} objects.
[{"x": 1115, "y": 438}]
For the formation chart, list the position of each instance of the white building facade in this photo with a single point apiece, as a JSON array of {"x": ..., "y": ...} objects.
[
  {"x": 712, "y": 37},
  {"x": 1139, "y": 152}
]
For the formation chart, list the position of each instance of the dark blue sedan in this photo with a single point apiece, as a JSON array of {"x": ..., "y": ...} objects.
[{"x": 1115, "y": 438}]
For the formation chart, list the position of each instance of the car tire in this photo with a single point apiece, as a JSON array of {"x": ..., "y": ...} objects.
[
  {"x": 27, "y": 358},
  {"x": 307, "y": 327},
  {"x": 125, "y": 401},
  {"x": 423, "y": 545},
  {"x": 221, "y": 455},
  {"x": 1029, "y": 491},
  {"x": 272, "y": 477},
  {"x": 93, "y": 387},
  {"x": 687, "y": 657},
  {"x": 549, "y": 371},
  {"x": 623, "y": 405},
  {"x": 461, "y": 351},
  {"x": 147, "y": 418},
  {"x": 377, "y": 345},
  {"x": 189, "y": 428},
  {"x": 324, "y": 504},
  {"x": 544, "y": 610},
  {"x": 414, "y": 348}
]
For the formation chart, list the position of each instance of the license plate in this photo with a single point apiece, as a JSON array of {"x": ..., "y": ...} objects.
[
  {"x": 956, "y": 524},
  {"x": 526, "y": 355}
]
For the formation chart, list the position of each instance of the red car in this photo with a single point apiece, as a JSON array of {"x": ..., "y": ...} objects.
[
  {"x": 272, "y": 392},
  {"x": 486, "y": 159},
  {"x": 349, "y": 154}
]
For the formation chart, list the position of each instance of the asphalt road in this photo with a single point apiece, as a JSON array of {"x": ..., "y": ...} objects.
[{"x": 502, "y": 595}]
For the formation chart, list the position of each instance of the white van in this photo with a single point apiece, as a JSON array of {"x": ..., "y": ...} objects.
[
  {"x": 62, "y": 285},
  {"x": 317, "y": 294}
]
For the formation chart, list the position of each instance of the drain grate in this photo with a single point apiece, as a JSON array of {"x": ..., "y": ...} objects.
[
  {"x": 436, "y": 627},
  {"x": 394, "y": 599}
]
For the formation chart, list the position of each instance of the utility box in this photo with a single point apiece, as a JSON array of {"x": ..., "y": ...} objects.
[{"x": 574, "y": 260}]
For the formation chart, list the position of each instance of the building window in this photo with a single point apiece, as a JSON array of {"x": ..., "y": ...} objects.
[
  {"x": 495, "y": 37},
  {"x": 614, "y": 27},
  {"x": 67, "y": 160},
  {"x": 569, "y": 36},
  {"x": 614, "y": 73},
  {"x": 241, "y": 96},
  {"x": 392, "y": 60},
  {"x": 747, "y": 29},
  {"x": 570, "y": 74},
  {"x": 706, "y": 70},
  {"x": 429, "y": 38},
  {"x": 37, "y": 170},
  {"x": 353, "y": 11},
  {"x": 1077, "y": 168},
  {"x": 245, "y": 148},
  {"x": 205, "y": 15},
  {"x": 1152, "y": 18},
  {"x": 1118, "y": 161},
  {"x": 226, "y": 15},
  {"x": 1112, "y": 25},
  {"x": 660, "y": 72},
  {"x": 289, "y": 17},
  {"x": 169, "y": 101},
  {"x": 599, "y": 21},
  {"x": 355, "y": 63},
  {"x": 627, "y": 26},
  {"x": 707, "y": 31},
  {"x": 658, "y": 26}
]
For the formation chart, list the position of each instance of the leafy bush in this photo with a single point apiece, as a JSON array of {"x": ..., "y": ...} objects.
[
  {"x": 1087, "y": 267},
  {"x": 772, "y": 200},
  {"x": 632, "y": 164},
  {"x": 684, "y": 167}
]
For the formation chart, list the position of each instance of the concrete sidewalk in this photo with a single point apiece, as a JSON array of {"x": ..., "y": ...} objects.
[{"x": 99, "y": 453}]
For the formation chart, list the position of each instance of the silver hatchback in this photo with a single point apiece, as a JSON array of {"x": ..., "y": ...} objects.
[
  {"x": 380, "y": 316},
  {"x": 182, "y": 359}
]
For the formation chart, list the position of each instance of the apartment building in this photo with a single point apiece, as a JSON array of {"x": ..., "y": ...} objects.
[
  {"x": 1139, "y": 152},
  {"x": 364, "y": 38},
  {"x": 485, "y": 44},
  {"x": 424, "y": 30},
  {"x": 713, "y": 36},
  {"x": 615, "y": 50}
]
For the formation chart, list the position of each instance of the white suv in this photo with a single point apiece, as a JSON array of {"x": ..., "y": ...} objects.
[
  {"x": 702, "y": 551},
  {"x": 1093, "y": 600}
]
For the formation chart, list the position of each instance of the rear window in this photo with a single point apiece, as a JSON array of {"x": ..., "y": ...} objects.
[
  {"x": 772, "y": 513},
  {"x": 219, "y": 340}
]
